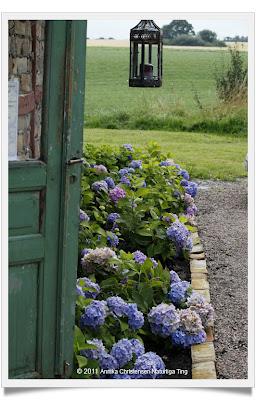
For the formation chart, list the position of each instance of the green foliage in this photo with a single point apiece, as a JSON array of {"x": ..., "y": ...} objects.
[
  {"x": 231, "y": 82},
  {"x": 140, "y": 225},
  {"x": 207, "y": 35}
]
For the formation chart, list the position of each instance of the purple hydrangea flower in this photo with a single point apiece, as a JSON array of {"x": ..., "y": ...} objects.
[
  {"x": 135, "y": 317},
  {"x": 128, "y": 147},
  {"x": 150, "y": 363},
  {"x": 108, "y": 362},
  {"x": 113, "y": 217},
  {"x": 94, "y": 314},
  {"x": 125, "y": 180},
  {"x": 110, "y": 182},
  {"x": 137, "y": 347},
  {"x": 179, "y": 234},
  {"x": 88, "y": 284},
  {"x": 184, "y": 174},
  {"x": 122, "y": 352},
  {"x": 197, "y": 303},
  {"x": 100, "y": 186},
  {"x": 178, "y": 292},
  {"x": 122, "y": 376},
  {"x": 100, "y": 169},
  {"x": 94, "y": 354},
  {"x": 116, "y": 194},
  {"x": 139, "y": 257},
  {"x": 163, "y": 319},
  {"x": 79, "y": 291},
  {"x": 83, "y": 216},
  {"x": 188, "y": 199},
  {"x": 136, "y": 164},
  {"x": 191, "y": 210},
  {"x": 117, "y": 305},
  {"x": 113, "y": 240}
]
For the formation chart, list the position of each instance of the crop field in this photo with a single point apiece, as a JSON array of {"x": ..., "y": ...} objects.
[{"x": 188, "y": 94}]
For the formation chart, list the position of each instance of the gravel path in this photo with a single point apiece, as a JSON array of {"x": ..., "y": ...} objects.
[{"x": 222, "y": 225}]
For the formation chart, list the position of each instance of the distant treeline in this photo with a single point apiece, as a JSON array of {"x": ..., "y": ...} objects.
[{"x": 181, "y": 33}]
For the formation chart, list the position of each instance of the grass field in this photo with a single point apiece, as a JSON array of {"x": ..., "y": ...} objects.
[
  {"x": 205, "y": 156},
  {"x": 186, "y": 101}
]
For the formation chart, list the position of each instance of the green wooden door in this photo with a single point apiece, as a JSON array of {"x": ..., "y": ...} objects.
[{"x": 44, "y": 217}]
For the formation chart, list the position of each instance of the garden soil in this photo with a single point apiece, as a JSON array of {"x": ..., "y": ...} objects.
[{"x": 222, "y": 225}]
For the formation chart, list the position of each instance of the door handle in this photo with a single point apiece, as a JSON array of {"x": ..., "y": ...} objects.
[{"x": 75, "y": 161}]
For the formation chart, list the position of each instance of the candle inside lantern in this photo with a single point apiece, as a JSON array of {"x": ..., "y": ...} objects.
[{"x": 148, "y": 71}]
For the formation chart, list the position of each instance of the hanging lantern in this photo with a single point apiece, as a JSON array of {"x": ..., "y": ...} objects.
[{"x": 146, "y": 50}]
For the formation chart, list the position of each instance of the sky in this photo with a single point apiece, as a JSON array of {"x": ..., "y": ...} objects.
[{"x": 120, "y": 29}]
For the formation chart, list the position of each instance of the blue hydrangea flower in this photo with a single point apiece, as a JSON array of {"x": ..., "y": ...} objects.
[
  {"x": 79, "y": 291},
  {"x": 117, "y": 305},
  {"x": 163, "y": 319},
  {"x": 135, "y": 317},
  {"x": 183, "y": 339},
  {"x": 122, "y": 352},
  {"x": 139, "y": 257},
  {"x": 110, "y": 182},
  {"x": 94, "y": 314},
  {"x": 174, "y": 277},
  {"x": 166, "y": 163},
  {"x": 100, "y": 186},
  {"x": 190, "y": 187},
  {"x": 136, "y": 164},
  {"x": 88, "y": 284},
  {"x": 125, "y": 180},
  {"x": 184, "y": 174},
  {"x": 190, "y": 330},
  {"x": 113, "y": 217},
  {"x": 137, "y": 347},
  {"x": 128, "y": 147},
  {"x": 83, "y": 216},
  {"x": 94, "y": 354},
  {"x": 178, "y": 292},
  {"x": 107, "y": 361},
  {"x": 113, "y": 240},
  {"x": 179, "y": 234},
  {"x": 123, "y": 171},
  {"x": 150, "y": 363},
  {"x": 155, "y": 263}
]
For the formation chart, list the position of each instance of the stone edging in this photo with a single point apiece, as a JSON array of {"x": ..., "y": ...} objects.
[{"x": 202, "y": 355}]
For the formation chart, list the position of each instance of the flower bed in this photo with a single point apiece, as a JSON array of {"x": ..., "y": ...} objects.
[{"x": 137, "y": 215}]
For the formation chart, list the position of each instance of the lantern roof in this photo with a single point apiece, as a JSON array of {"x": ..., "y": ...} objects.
[{"x": 146, "y": 30}]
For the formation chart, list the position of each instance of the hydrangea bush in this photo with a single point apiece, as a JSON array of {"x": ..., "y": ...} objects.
[{"x": 136, "y": 218}]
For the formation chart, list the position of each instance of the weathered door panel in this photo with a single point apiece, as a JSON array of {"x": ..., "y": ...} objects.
[{"x": 43, "y": 218}]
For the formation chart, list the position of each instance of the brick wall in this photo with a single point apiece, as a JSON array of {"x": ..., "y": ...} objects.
[{"x": 26, "y": 62}]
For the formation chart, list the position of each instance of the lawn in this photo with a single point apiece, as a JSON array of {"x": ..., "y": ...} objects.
[
  {"x": 186, "y": 101},
  {"x": 205, "y": 156}
]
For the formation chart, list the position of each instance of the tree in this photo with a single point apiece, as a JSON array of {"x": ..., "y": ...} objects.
[
  {"x": 207, "y": 35},
  {"x": 177, "y": 27}
]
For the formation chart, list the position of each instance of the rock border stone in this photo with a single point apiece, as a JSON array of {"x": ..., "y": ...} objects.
[{"x": 202, "y": 355}]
